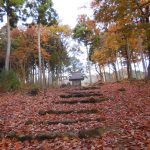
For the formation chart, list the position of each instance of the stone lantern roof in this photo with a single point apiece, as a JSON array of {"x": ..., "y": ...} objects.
[{"x": 76, "y": 76}]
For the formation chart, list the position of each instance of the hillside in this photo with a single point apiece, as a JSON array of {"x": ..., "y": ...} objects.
[{"x": 111, "y": 116}]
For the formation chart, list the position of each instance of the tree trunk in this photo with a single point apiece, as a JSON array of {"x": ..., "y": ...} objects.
[
  {"x": 119, "y": 70},
  {"x": 148, "y": 68},
  {"x": 58, "y": 76},
  {"x": 136, "y": 75},
  {"x": 140, "y": 75},
  {"x": 143, "y": 64},
  {"x": 49, "y": 75},
  {"x": 7, "y": 59},
  {"x": 109, "y": 73},
  {"x": 39, "y": 55},
  {"x": 53, "y": 77},
  {"x": 44, "y": 78},
  {"x": 105, "y": 78},
  {"x": 148, "y": 39},
  {"x": 89, "y": 65},
  {"x": 147, "y": 21},
  {"x": 142, "y": 56},
  {"x": 122, "y": 70},
  {"x": 33, "y": 73},
  {"x": 99, "y": 72},
  {"x": 115, "y": 70},
  {"x": 23, "y": 76},
  {"x": 129, "y": 68},
  {"x": 36, "y": 74}
]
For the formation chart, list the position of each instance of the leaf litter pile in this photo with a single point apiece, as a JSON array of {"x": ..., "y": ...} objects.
[{"x": 111, "y": 116}]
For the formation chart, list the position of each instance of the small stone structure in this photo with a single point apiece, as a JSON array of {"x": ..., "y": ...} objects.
[{"x": 76, "y": 78}]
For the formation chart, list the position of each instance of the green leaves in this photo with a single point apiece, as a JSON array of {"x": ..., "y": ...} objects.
[
  {"x": 42, "y": 12},
  {"x": 9, "y": 80},
  {"x": 81, "y": 33},
  {"x": 11, "y": 8}
]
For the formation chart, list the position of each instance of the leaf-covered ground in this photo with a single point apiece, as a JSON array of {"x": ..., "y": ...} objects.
[{"x": 112, "y": 116}]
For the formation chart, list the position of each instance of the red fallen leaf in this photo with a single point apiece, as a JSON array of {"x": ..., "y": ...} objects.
[
  {"x": 4, "y": 144},
  {"x": 107, "y": 148},
  {"x": 45, "y": 145},
  {"x": 146, "y": 123},
  {"x": 148, "y": 147},
  {"x": 17, "y": 145},
  {"x": 148, "y": 141}
]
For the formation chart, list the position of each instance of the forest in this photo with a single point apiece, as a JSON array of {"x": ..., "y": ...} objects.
[{"x": 41, "y": 110}]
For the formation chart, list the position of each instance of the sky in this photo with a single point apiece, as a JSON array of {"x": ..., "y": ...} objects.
[{"x": 68, "y": 10}]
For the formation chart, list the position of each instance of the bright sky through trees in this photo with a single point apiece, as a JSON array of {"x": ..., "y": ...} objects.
[{"x": 68, "y": 10}]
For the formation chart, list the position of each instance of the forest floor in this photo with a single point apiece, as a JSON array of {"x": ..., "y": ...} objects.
[{"x": 113, "y": 116}]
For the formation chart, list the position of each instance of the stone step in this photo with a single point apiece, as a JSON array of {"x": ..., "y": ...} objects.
[
  {"x": 90, "y": 100},
  {"x": 77, "y": 94},
  {"x": 65, "y": 122},
  {"x": 87, "y": 111},
  {"x": 90, "y": 88},
  {"x": 88, "y": 133}
]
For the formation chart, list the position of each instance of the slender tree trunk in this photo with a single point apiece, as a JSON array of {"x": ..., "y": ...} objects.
[
  {"x": 115, "y": 70},
  {"x": 136, "y": 75},
  {"x": 148, "y": 68},
  {"x": 129, "y": 68},
  {"x": 49, "y": 75},
  {"x": 61, "y": 75},
  {"x": 36, "y": 75},
  {"x": 44, "y": 78},
  {"x": 7, "y": 59},
  {"x": 139, "y": 71},
  {"x": 23, "y": 73},
  {"x": 119, "y": 70},
  {"x": 143, "y": 63},
  {"x": 122, "y": 71},
  {"x": 39, "y": 55},
  {"x": 90, "y": 73},
  {"x": 105, "y": 78},
  {"x": 33, "y": 73},
  {"x": 53, "y": 77},
  {"x": 99, "y": 72},
  {"x": 58, "y": 76},
  {"x": 109, "y": 72},
  {"x": 145, "y": 60},
  {"x": 89, "y": 64},
  {"x": 142, "y": 56}
]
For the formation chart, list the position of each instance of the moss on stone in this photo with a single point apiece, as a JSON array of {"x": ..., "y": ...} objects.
[
  {"x": 76, "y": 94},
  {"x": 88, "y": 111},
  {"x": 90, "y": 100},
  {"x": 122, "y": 89},
  {"x": 12, "y": 134},
  {"x": 23, "y": 137},
  {"x": 28, "y": 122},
  {"x": 91, "y": 132}
]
